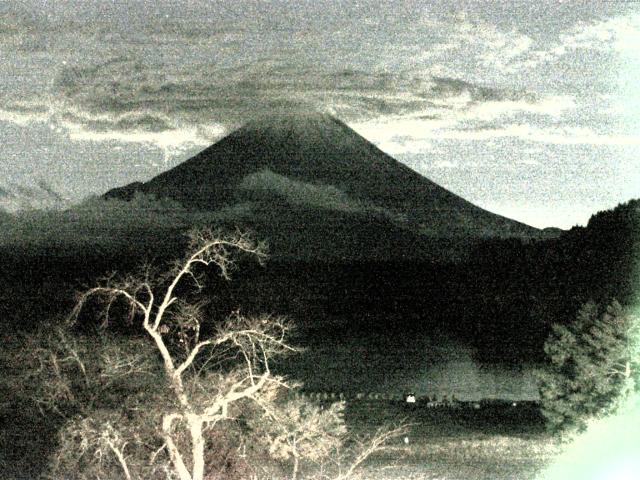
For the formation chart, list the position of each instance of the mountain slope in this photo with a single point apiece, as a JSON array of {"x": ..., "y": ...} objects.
[
  {"x": 293, "y": 172},
  {"x": 40, "y": 195}
]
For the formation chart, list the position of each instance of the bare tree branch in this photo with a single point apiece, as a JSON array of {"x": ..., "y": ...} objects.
[
  {"x": 163, "y": 314},
  {"x": 373, "y": 445}
]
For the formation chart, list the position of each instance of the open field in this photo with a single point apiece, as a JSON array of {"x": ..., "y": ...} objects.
[
  {"x": 483, "y": 457},
  {"x": 490, "y": 443},
  {"x": 497, "y": 442}
]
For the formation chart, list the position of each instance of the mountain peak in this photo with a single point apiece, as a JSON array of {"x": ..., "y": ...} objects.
[
  {"x": 308, "y": 173},
  {"x": 299, "y": 128},
  {"x": 291, "y": 119}
]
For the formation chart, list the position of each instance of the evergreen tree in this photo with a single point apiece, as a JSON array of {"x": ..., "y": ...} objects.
[{"x": 593, "y": 366}]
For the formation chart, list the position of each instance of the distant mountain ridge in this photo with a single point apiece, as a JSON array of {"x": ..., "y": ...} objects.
[
  {"x": 16, "y": 197},
  {"x": 310, "y": 174}
]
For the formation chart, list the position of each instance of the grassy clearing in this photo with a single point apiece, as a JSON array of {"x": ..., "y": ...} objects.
[
  {"x": 492, "y": 443},
  {"x": 493, "y": 457}
]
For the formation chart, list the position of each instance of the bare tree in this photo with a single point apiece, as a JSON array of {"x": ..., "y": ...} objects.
[
  {"x": 201, "y": 399},
  {"x": 366, "y": 446},
  {"x": 301, "y": 430},
  {"x": 153, "y": 405}
]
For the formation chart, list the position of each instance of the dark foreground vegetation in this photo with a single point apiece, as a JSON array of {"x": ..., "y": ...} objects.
[
  {"x": 502, "y": 300},
  {"x": 504, "y": 297}
]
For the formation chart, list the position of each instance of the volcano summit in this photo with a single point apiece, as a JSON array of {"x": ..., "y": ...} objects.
[{"x": 313, "y": 187}]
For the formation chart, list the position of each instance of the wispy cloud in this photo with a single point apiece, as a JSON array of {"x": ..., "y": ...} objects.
[
  {"x": 617, "y": 36},
  {"x": 527, "y": 132},
  {"x": 125, "y": 99},
  {"x": 477, "y": 121},
  {"x": 481, "y": 42},
  {"x": 620, "y": 33},
  {"x": 425, "y": 136},
  {"x": 142, "y": 92}
]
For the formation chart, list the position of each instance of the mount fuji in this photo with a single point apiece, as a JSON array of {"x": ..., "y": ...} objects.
[{"x": 314, "y": 188}]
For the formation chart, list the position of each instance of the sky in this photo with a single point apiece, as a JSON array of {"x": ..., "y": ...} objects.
[{"x": 528, "y": 109}]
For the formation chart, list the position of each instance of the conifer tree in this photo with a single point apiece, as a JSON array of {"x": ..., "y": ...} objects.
[{"x": 593, "y": 366}]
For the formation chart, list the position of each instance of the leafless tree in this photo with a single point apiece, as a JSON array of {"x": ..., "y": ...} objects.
[
  {"x": 363, "y": 448},
  {"x": 199, "y": 404},
  {"x": 302, "y": 430},
  {"x": 197, "y": 375}
]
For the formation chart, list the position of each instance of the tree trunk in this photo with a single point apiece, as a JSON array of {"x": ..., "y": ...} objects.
[
  {"x": 296, "y": 462},
  {"x": 197, "y": 446},
  {"x": 174, "y": 453},
  {"x": 294, "y": 475}
]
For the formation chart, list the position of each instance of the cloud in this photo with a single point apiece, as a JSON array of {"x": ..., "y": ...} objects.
[
  {"x": 146, "y": 91},
  {"x": 23, "y": 32},
  {"x": 15, "y": 22},
  {"x": 618, "y": 36},
  {"x": 399, "y": 136},
  {"x": 620, "y": 33},
  {"x": 464, "y": 42},
  {"x": 142, "y": 92},
  {"x": 468, "y": 120},
  {"x": 125, "y": 98},
  {"x": 566, "y": 136},
  {"x": 169, "y": 81},
  {"x": 531, "y": 133},
  {"x": 24, "y": 113},
  {"x": 130, "y": 127},
  {"x": 398, "y": 145},
  {"x": 553, "y": 106},
  {"x": 496, "y": 49}
]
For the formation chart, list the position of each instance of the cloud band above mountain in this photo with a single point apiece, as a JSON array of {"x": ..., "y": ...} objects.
[
  {"x": 173, "y": 81},
  {"x": 126, "y": 99}
]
